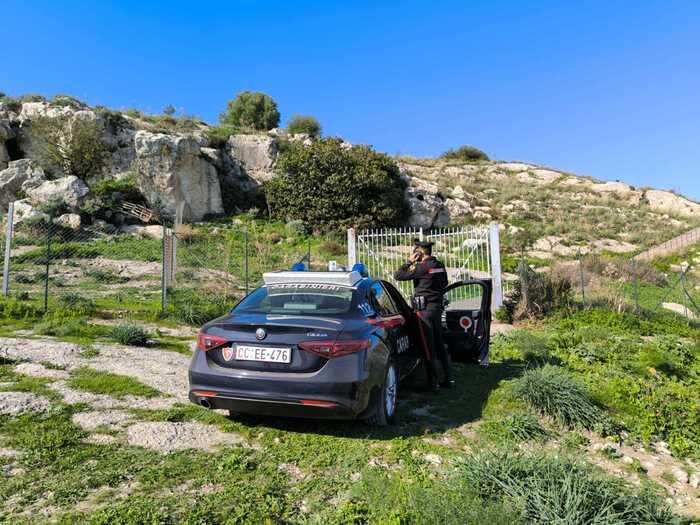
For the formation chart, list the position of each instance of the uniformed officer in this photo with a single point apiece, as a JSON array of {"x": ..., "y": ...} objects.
[{"x": 429, "y": 280}]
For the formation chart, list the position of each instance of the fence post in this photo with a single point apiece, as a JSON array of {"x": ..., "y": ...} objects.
[
  {"x": 48, "y": 264},
  {"x": 352, "y": 247},
  {"x": 8, "y": 249},
  {"x": 164, "y": 274},
  {"x": 583, "y": 285},
  {"x": 245, "y": 255},
  {"x": 636, "y": 285},
  {"x": 495, "y": 249}
]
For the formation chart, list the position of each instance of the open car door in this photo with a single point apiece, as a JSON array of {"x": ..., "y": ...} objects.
[{"x": 466, "y": 323}]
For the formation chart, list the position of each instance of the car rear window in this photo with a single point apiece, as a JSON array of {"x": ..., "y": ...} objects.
[{"x": 306, "y": 299}]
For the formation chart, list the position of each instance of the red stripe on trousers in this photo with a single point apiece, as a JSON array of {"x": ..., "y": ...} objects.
[{"x": 422, "y": 336}]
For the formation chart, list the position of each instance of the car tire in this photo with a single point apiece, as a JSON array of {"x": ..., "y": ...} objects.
[{"x": 384, "y": 412}]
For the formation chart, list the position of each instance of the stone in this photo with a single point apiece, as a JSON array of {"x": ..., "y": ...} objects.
[
  {"x": 458, "y": 207},
  {"x": 70, "y": 190},
  {"x": 18, "y": 176},
  {"x": 256, "y": 155},
  {"x": 679, "y": 309},
  {"x": 427, "y": 210},
  {"x": 38, "y": 370},
  {"x": 69, "y": 220},
  {"x": 24, "y": 210},
  {"x": 153, "y": 231},
  {"x": 92, "y": 420},
  {"x": 458, "y": 192},
  {"x": 172, "y": 169},
  {"x": 694, "y": 480},
  {"x": 680, "y": 475}
]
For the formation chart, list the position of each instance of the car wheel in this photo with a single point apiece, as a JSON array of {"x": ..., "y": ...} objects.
[{"x": 385, "y": 403}]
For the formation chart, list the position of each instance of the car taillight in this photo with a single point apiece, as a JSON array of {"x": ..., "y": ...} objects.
[
  {"x": 333, "y": 349},
  {"x": 209, "y": 342}
]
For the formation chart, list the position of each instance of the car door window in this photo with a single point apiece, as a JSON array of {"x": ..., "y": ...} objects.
[{"x": 381, "y": 301}]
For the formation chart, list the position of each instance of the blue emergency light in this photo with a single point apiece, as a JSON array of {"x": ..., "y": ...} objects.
[
  {"x": 299, "y": 267},
  {"x": 361, "y": 269}
]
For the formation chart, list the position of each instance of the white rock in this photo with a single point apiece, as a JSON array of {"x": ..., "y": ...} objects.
[
  {"x": 172, "y": 169},
  {"x": 257, "y": 154},
  {"x": 24, "y": 210},
  {"x": 170, "y": 437},
  {"x": 694, "y": 480},
  {"x": 19, "y": 175},
  {"x": 680, "y": 475},
  {"x": 70, "y": 190},
  {"x": 69, "y": 220},
  {"x": 38, "y": 370},
  {"x": 670, "y": 202},
  {"x": 153, "y": 231}
]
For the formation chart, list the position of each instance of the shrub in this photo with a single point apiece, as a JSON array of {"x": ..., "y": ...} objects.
[
  {"x": 541, "y": 294},
  {"x": 169, "y": 110},
  {"x": 33, "y": 97},
  {"x": 465, "y": 153},
  {"x": 75, "y": 305},
  {"x": 13, "y": 308},
  {"x": 71, "y": 146},
  {"x": 251, "y": 110},
  {"x": 60, "y": 327},
  {"x": 328, "y": 186},
  {"x": 11, "y": 104},
  {"x": 304, "y": 124},
  {"x": 67, "y": 101},
  {"x": 195, "y": 309},
  {"x": 555, "y": 489},
  {"x": 129, "y": 334},
  {"x": 553, "y": 392}
]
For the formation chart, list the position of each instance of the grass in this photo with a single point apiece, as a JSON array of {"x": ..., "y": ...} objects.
[
  {"x": 559, "y": 490},
  {"x": 114, "y": 385},
  {"x": 554, "y": 392},
  {"x": 517, "y": 427}
]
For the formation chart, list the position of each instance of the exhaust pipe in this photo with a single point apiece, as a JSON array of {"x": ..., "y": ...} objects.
[{"x": 205, "y": 402}]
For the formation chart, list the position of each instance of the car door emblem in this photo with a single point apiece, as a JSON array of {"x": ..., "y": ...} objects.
[
  {"x": 260, "y": 334},
  {"x": 227, "y": 353}
]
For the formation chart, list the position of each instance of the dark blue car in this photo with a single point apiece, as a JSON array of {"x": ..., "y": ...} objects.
[{"x": 315, "y": 344}]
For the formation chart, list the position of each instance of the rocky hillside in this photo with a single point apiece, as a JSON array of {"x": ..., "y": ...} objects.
[{"x": 184, "y": 160}]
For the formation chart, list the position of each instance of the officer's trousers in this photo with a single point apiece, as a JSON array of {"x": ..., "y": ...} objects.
[{"x": 431, "y": 333}]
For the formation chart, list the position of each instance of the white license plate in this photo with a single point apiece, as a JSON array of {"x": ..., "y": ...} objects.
[{"x": 266, "y": 354}]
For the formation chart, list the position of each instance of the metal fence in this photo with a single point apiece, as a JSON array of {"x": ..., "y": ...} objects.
[
  {"x": 467, "y": 252},
  {"x": 631, "y": 283}
]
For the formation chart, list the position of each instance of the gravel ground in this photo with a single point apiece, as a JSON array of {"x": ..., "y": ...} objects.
[
  {"x": 165, "y": 371},
  {"x": 16, "y": 403},
  {"x": 170, "y": 437}
]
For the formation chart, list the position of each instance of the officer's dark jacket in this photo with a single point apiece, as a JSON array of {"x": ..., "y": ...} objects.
[{"x": 429, "y": 279}]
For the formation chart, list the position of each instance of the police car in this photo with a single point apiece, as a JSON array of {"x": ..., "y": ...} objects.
[{"x": 330, "y": 344}]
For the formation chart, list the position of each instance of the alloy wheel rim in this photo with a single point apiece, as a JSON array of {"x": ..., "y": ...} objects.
[{"x": 390, "y": 391}]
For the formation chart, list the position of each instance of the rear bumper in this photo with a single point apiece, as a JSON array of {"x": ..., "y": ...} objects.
[{"x": 339, "y": 390}]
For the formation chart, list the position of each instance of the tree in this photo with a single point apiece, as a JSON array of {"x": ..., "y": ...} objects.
[
  {"x": 327, "y": 185},
  {"x": 465, "y": 153},
  {"x": 304, "y": 124},
  {"x": 169, "y": 110},
  {"x": 71, "y": 146},
  {"x": 251, "y": 110}
]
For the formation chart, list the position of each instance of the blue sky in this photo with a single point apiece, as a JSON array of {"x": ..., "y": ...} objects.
[{"x": 607, "y": 89}]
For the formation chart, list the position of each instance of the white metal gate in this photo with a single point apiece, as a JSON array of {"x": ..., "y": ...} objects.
[{"x": 467, "y": 252}]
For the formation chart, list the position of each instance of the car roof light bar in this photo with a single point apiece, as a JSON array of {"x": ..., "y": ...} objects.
[{"x": 349, "y": 279}]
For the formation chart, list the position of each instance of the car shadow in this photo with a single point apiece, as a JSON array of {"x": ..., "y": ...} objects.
[{"x": 418, "y": 412}]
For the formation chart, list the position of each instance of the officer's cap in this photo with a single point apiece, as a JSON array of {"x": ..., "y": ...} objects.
[{"x": 423, "y": 244}]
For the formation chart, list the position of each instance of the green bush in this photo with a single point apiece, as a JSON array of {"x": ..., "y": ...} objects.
[
  {"x": 13, "y": 308},
  {"x": 328, "y": 186},
  {"x": 67, "y": 101},
  {"x": 465, "y": 153},
  {"x": 129, "y": 334},
  {"x": 304, "y": 124},
  {"x": 71, "y": 146},
  {"x": 555, "y": 393},
  {"x": 557, "y": 490},
  {"x": 251, "y": 110},
  {"x": 75, "y": 305},
  {"x": 11, "y": 104},
  {"x": 62, "y": 327}
]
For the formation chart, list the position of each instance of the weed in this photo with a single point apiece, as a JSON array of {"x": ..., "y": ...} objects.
[
  {"x": 515, "y": 428},
  {"x": 195, "y": 309},
  {"x": 88, "y": 351},
  {"x": 129, "y": 334},
  {"x": 554, "y": 489},
  {"x": 76, "y": 305},
  {"x": 555, "y": 393},
  {"x": 114, "y": 385}
]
